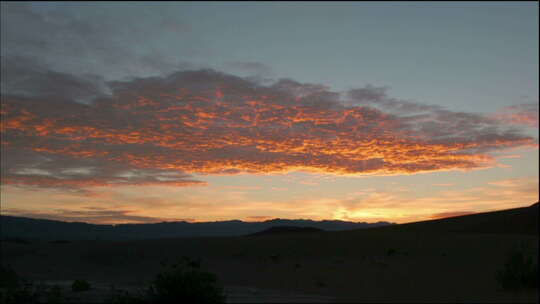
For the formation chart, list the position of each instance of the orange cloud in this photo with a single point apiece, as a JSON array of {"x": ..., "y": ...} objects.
[
  {"x": 369, "y": 205},
  {"x": 212, "y": 123}
]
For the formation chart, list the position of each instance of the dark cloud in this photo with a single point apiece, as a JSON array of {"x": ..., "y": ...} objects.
[
  {"x": 253, "y": 71},
  {"x": 93, "y": 215},
  {"x": 26, "y": 77},
  {"x": 26, "y": 167},
  {"x": 376, "y": 97},
  {"x": 100, "y": 41},
  {"x": 157, "y": 130}
]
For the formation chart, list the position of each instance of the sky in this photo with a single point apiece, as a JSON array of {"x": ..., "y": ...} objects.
[{"x": 142, "y": 112}]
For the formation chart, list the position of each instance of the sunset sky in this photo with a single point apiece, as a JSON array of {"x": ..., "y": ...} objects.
[{"x": 361, "y": 111}]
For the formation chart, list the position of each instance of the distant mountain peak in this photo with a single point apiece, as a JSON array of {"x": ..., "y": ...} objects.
[{"x": 50, "y": 229}]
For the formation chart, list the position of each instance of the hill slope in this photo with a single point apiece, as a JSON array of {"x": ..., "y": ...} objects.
[{"x": 510, "y": 221}]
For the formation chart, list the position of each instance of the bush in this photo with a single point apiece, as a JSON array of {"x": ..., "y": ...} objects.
[
  {"x": 184, "y": 282},
  {"x": 519, "y": 272},
  {"x": 80, "y": 285}
]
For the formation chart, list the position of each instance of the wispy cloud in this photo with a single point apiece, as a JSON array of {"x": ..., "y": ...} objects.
[
  {"x": 92, "y": 215},
  {"x": 391, "y": 205},
  {"x": 73, "y": 42},
  {"x": 522, "y": 114},
  {"x": 511, "y": 182},
  {"x": 167, "y": 204}
]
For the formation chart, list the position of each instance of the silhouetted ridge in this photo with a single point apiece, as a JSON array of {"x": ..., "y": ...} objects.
[
  {"x": 510, "y": 221},
  {"x": 28, "y": 228},
  {"x": 286, "y": 230}
]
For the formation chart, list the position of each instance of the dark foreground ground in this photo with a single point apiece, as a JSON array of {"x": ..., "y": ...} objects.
[
  {"x": 346, "y": 266},
  {"x": 452, "y": 260}
]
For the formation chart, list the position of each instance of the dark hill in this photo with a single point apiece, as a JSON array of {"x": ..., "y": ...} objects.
[
  {"x": 280, "y": 230},
  {"x": 27, "y": 228},
  {"x": 510, "y": 221}
]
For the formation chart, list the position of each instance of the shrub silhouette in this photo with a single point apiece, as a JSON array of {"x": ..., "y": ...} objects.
[
  {"x": 184, "y": 282},
  {"x": 519, "y": 272},
  {"x": 80, "y": 285}
]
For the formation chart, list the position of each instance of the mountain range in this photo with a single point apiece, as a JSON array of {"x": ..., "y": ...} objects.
[{"x": 29, "y": 228}]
